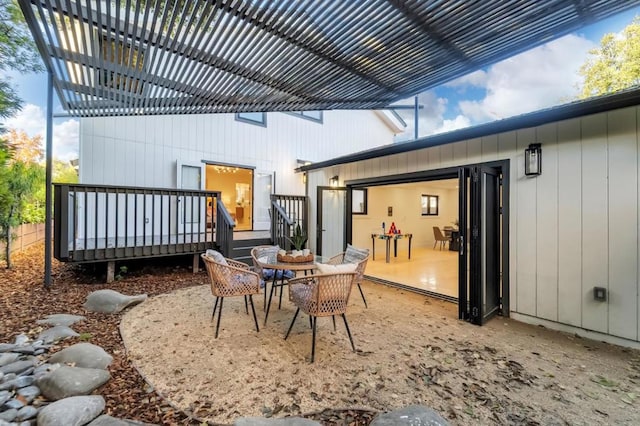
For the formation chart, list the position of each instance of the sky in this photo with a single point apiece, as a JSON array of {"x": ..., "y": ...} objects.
[{"x": 539, "y": 78}]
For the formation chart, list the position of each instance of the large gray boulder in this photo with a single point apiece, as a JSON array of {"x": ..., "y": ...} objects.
[
  {"x": 61, "y": 319},
  {"x": 71, "y": 381},
  {"x": 73, "y": 411},
  {"x": 413, "y": 415},
  {"x": 110, "y": 301},
  {"x": 287, "y": 421},
  {"x": 58, "y": 332},
  {"x": 85, "y": 355}
]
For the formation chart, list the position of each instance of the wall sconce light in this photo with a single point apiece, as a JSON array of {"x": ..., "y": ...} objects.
[
  {"x": 304, "y": 177},
  {"x": 533, "y": 160},
  {"x": 334, "y": 181}
]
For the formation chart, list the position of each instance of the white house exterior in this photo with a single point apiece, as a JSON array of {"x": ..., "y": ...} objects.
[
  {"x": 573, "y": 228},
  {"x": 145, "y": 151}
]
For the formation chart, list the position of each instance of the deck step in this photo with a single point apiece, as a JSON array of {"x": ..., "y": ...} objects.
[{"x": 241, "y": 249}]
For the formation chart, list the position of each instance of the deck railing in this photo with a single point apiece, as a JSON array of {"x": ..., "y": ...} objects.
[
  {"x": 101, "y": 223},
  {"x": 288, "y": 211}
]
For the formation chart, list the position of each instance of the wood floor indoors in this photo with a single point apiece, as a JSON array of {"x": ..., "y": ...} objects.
[{"x": 428, "y": 269}]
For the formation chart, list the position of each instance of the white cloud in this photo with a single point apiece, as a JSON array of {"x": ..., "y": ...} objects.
[
  {"x": 477, "y": 78},
  {"x": 533, "y": 80},
  {"x": 30, "y": 120},
  {"x": 460, "y": 122},
  {"x": 66, "y": 135}
]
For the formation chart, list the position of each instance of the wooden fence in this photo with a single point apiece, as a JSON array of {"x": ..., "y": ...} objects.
[{"x": 24, "y": 236}]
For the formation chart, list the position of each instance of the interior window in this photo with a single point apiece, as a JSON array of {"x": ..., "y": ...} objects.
[
  {"x": 429, "y": 204},
  {"x": 359, "y": 201}
]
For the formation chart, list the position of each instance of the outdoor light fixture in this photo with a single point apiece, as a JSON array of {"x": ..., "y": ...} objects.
[
  {"x": 334, "y": 181},
  {"x": 533, "y": 160},
  {"x": 304, "y": 177}
]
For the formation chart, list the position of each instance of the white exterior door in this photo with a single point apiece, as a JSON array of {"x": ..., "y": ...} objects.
[
  {"x": 191, "y": 209},
  {"x": 331, "y": 223},
  {"x": 262, "y": 190}
]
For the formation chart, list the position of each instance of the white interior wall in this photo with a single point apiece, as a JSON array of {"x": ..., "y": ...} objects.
[
  {"x": 573, "y": 228},
  {"x": 407, "y": 212}
]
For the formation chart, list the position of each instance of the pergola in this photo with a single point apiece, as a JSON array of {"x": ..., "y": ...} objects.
[{"x": 123, "y": 57}]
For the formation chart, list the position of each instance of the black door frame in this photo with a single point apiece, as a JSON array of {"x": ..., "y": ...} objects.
[
  {"x": 439, "y": 174},
  {"x": 347, "y": 213}
]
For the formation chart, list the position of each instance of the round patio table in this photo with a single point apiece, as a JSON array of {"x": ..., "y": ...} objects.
[{"x": 285, "y": 266}]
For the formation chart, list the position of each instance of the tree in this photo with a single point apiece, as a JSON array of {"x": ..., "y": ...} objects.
[
  {"x": 615, "y": 65},
  {"x": 17, "y": 52},
  {"x": 23, "y": 182}
]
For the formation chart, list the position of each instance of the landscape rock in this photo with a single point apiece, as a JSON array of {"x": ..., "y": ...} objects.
[
  {"x": 71, "y": 381},
  {"x": 29, "y": 393},
  {"x": 110, "y": 301},
  {"x": 43, "y": 369},
  {"x": 21, "y": 339},
  {"x": 14, "y": 403},
  {"x": 61, "y": 319},
  {"x": 58, "y": 332},
  {"x": 105, "y": 420},
  {"x": 413, "y": 415},
  {"x": 27, "y": 350},
  {"x": 17, "y": 367},
  {"x": 4, "y": 396},
  {"x": 73, "y": 411},
  {"x": 85, "y": 355},
  {"x": 287, "y": 421},
  {"x": 17, "y": 383},
  {"x": 7, "y": 347},
  {"x": 27, "y": 412},
  {"x": 9, "y": 415},
  {"x": 8, "y": 358}
]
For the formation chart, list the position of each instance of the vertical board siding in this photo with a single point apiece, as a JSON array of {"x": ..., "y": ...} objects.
[
  {"x": 547, "y": 225},
  {"x": 569, "y": 223},
  {"x": 623, "y": 223},
  {"x": 595, "y": 237},
  {"x": 109, "y": 145},
  {"x": 526, "y": 244},
  {"x": 573, "y": 228}
]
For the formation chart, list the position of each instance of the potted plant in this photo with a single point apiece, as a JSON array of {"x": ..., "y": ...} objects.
[{"x": 298, "y": 240}]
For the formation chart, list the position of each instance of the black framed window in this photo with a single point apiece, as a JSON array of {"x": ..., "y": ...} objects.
[
  {"x": 429, "y": 205},
  {"x": 359, "y": 201},
  {"x": 257, "y": 118},
  {"x": 309, "y": 115}
]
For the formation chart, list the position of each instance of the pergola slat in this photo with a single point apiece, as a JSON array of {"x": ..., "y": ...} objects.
[{"x": 121, "y": 57}]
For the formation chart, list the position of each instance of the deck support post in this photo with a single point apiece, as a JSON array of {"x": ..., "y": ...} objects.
[
  {"x": 196, "y": 263},
  {"x": 111, "y": 271}
]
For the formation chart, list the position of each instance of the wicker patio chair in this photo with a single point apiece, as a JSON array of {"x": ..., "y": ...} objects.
[
  {"x": 321, "y": 295},
  {"x": 269, "y": 254},
  {"x": 361, "y": 262},
  {"x": 230, "y": 278}
]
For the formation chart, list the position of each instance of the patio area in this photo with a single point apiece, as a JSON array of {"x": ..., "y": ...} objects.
[{"x": 411, "y": 349}]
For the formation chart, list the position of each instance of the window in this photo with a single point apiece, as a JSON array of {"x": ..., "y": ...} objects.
[
  {"x": 309, "y": 115},
  {"x": 359, "y": 201},
  {"x": 429, "y": 204},
  {"x": 257, "y": 118}
]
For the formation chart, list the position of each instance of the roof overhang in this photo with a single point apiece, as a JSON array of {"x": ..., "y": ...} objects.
[
  {"x": 124, "y": 57},
  {"x": 576, "y": 109}
]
